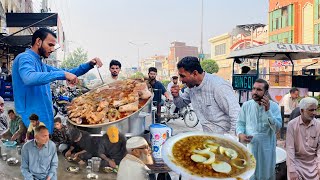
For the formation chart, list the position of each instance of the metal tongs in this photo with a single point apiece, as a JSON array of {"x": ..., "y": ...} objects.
[{"x": 100, "y": 75}]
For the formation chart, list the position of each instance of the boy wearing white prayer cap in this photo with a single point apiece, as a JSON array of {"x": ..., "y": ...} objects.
[{"x": 133, "y": 165}]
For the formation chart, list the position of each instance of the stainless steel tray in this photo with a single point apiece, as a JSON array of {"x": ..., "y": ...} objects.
[{"x": 145, "y": 108}]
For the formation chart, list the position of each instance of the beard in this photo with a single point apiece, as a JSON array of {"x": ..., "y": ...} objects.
[
  {"x": 146, "y": 158},
  {"x": 152, "y": 78},
  {"x": 309, "y": 118},
  {"x": 257, "y": 97},
  {"x": 42, "y": 52},
  {"x": 114, "y": 74}
]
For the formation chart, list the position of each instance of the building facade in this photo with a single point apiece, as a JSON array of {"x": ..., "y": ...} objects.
[
  {"x": 154, "y": 61},
  {"x": 12, "y": 6},
  {"x": 242, "y": 36},
  {"x": 296, "y": 22},
  {"x": 179, "y": 50},
  {"x": 220, "y": 49}
]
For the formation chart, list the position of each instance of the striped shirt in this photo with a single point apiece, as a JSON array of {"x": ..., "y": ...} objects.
[
  {"x": 214, "y": 103},
  {"x": 3, "y": 123}
]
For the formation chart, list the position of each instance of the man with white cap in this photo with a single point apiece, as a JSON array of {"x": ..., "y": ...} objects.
[{"x": 133, "y": 165}]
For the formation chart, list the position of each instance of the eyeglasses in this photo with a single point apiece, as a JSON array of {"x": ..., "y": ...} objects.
[{"x": 145, "y": 147}]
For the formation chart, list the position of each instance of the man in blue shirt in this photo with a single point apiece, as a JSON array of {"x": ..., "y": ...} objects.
[
  {"x": 39, "y": 158},
  {"x": 158, "y": 90},
  {"x": 31, "y": 78}
]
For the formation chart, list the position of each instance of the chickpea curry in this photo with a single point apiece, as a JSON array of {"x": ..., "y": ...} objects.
[{"x": 208, "y": 156}]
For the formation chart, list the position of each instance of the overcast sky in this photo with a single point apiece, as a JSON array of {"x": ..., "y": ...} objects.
[{"x": 105, "y": 27}]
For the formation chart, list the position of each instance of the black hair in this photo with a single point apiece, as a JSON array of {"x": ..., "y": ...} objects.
[
  {"x": 115, "y": 63},
  {"x": 174, "y": 77},
  {"x": 34, "y": 117},
  {"x": 245, "y": 69},
  {"x": 190, "y": 64},
  {"x": 75, "y": 134},
  {"x": 42, "y": 33},
  {"x": 57, "y": 119},
  {"x": 266, "y": 85},
  {"x": 11, "y": 111},
  {"x": 293, "y": 90},
  {"x": 153, "y": 69}
]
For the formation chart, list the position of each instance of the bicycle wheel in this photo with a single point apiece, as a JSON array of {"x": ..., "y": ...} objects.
[{"x": 190, "y": 119}]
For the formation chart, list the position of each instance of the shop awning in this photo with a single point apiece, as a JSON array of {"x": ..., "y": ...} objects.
[
  {"x": 15, "y": 50},
  {"x": 18, "y": 40},
  {"x": 278, "y": 51},
  {"x": 15, "y": 44},
  {"x": 27, "y": 19}
]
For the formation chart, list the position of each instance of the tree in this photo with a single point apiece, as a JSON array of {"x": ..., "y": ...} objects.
[
  {"x": 210, "y": 66},
  {"x": 137, "y": 75},
  {"x": 74, "y": 59},
  {"x": 165, "y": 83}
]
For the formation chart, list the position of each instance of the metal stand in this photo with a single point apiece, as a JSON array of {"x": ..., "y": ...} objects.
[
  {"x": 153, "y": 114},
  {"x": 282, "y": 130}
]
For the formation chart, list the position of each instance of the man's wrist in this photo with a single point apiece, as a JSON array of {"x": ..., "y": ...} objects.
[{"x": 238, "y": 133}]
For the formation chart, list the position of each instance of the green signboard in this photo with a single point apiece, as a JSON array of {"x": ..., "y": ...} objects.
[
  {"x": 201, "y": 56},
  {"x": 243, "y": 81}
]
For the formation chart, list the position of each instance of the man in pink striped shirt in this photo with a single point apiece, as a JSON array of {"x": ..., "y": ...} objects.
[{"x": 303, "y": 143}]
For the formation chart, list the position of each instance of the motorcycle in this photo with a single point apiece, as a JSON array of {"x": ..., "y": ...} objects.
[
  {"x": 187, "y": 114},
  {"x": 62, "y": 96},
  {"x": 60, "y": 103}
]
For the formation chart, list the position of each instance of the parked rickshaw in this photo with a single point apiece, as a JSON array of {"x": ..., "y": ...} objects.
[
  {"x": 276, "y": 51},
  {"x": 243, "y": 83}
]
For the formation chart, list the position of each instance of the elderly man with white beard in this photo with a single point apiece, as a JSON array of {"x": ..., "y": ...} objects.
[
  {"x": 133, "y": 165},
  {"x": 303, "y": 143}
]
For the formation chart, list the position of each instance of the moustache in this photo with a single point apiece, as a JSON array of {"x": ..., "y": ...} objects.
[{"x": 255, "y": 96}]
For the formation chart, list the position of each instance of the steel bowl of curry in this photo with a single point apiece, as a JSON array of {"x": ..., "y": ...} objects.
[{"x": 209, "y": 156}]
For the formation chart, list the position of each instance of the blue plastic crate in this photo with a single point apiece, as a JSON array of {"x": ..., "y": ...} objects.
[
  {"x": 8, "y": 93},
  {"x": 7, "y": 83},
  {"x": 6, "y": 88},
  {"x": 8, "y": 98}
]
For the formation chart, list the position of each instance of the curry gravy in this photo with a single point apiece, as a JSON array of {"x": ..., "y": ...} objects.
[{"x": 183, "y": 150}]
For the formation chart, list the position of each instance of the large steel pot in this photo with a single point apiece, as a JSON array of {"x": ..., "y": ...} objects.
[
  {"x": 134, "y": 125},
  {"x": 131, "y": 125}
]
